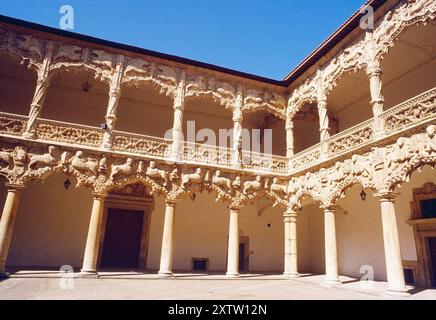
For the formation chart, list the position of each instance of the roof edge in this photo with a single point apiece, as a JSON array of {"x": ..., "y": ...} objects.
[
  {"x": 134, "y": 49},
  {"x": 341, "y": 33},
  {"x": 326, "y": 46}
]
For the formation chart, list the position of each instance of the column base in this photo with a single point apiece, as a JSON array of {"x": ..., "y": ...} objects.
[
  {"x": 165, "y": 274},
  {"x": 331, "y": 282},
  {"x": 88, "y": 274},
  {"x": 398, "y": 293},
  {"x": 232, "y": 275},
  {"x": 4, "y": 275},
  {"x": 291, "y": 275}
]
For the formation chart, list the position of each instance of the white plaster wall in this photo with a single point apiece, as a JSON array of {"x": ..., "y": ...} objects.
[
  {"x": 311, "y": 239},
  {"x": 201, "y": 231},
  {"x": 51, "y": 226},
  {"x": 360, "y": 234},
  {"x": 266, "y": 243},
  {"x": 16, "y": 95}
]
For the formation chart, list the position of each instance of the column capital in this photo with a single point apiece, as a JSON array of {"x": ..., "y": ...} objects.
[
  {"x": 13, "y": 187},
  {"x": 171, "y": 203},
  {"x": 235, "y": 208},
  {"x": 386, "y": 196},
  {"x": 374, "y": 70},
  {"x": 322, "y": 102},
  {"x": 290, "y": 216},
  {"x": 238, "y": 116},
  {"x": 99, "y": 195},
  {"x": 179, "y": 106},
  {"x": 328, "y": 208}
]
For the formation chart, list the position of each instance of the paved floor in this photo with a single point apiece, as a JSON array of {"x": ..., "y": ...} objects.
[{"x": 121, "y": 285}]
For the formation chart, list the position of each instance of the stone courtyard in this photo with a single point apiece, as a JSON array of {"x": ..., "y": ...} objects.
[{"x": 41, "y": 285}]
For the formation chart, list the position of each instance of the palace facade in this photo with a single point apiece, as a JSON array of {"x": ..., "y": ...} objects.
[{"x": 348, "y": 189}]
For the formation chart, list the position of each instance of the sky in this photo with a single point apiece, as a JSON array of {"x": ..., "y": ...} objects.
[{"x": 263, "y": 37}]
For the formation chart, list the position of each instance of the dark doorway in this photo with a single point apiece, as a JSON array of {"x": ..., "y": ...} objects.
[
  {"x": 432, "y": 252},
  {"x": 243, "y": 254},
  {"x": 241, "y": 257},
  {"x": 122, "y": 241}
]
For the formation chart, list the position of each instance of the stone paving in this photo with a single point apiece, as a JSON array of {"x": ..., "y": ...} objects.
[{"x": 134, "y": 285}]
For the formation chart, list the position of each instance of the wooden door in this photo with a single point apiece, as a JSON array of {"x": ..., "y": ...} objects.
[
  {"x": 241, "y": 257},
  {"x": 432, "y": 252},
  {"x": 122, "y": 241}
]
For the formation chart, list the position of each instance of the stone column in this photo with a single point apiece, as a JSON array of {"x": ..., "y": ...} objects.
[
  {"x": 237, "y": 137},
  {"x": 233, "y": 245},
  {"x": 237, "y": 128},
  {"x": 289, "y": 138},
  {"x": 324, "y": 128},
  {"x": 7, "y": 223},
  {"x": 114, "y": 99},
  {"x": 331, "y": 255},
  {"x": 94, "y": 234},
  {"x": 291, "y": 256},
  {"x": 391, "y": 239},
  {"x": 377, "y": 99},
  {"x": 166, "y": 257},
  {"x": 179, "y": 107},
  {"x": 42, "y": 85}
]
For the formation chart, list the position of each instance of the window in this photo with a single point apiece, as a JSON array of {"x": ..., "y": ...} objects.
[
  {"x": 428, "y": 209},
  {"x": 200, "y": 264},
  {"x": 409, "y": 276}
]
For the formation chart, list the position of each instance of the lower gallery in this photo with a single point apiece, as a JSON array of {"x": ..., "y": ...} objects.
[{"x": 91, "y": 180}]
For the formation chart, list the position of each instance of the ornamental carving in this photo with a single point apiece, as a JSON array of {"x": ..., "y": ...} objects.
[
  {"x": 366, "y": 51},
  {"x": 135, "y": 71},
  {"x": 381, "y": 169}
]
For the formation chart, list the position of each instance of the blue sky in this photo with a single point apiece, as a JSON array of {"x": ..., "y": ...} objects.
[{"x": 263, "y": 37}]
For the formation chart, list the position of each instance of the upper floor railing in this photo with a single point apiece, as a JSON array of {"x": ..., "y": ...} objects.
[
  {"x": 417, "y": 110},
  {"x": 140, "y": 145}
]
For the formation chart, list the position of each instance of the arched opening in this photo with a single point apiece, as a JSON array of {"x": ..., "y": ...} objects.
[
  {"x": 268, "y": 133},
  {"x": 360, "y": 236},
  {"x": 67, "y": 99},
  {"x": 144, "y": 111},
  {"x": 51, "y": 226},
  {"x": 17, "y": 86},
  {"x": 310, "y": 238},
  {"x": 306, "y": 127},
  {"x": 349, "y": 102},
  {"x": 207, "y": 122},
  {"x": 408, "y": 68},
  {"x": 196, "y": 237},
  {"x": 261, "y": 226}
]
